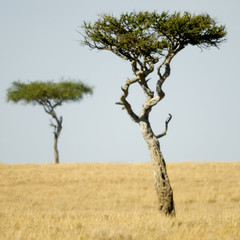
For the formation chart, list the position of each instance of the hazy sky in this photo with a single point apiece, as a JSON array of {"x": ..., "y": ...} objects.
[{"x": 39, "y": 41}]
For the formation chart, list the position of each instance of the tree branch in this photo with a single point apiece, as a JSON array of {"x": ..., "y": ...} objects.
[
  {"x": 58, "y": 103},
  {"x": 58, "y": 127},
  {"x": 166, "y": 127},
  {"x": 124, "y": 102},
  {"x": 166, "y": 63},
  {"x": 147, "y": 91},
  {"x": 152, "y": 101},
  {"x": 162, "y": 77},
  {"x": 46, "y": 107},
  {"x": 142, "y": 74},
  {"x": 53, "y": 125},
  {"x": 147, "y": 106},
  {"x": 150, "y": 68}
]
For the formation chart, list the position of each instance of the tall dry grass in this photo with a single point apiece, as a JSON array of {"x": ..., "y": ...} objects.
[{"x": 118, "y": 201}]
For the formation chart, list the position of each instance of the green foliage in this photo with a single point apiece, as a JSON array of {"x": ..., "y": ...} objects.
[
  {"x": 151, "y": 35},
  {"x": 47, "y": 92},
  {"x": 130, "y": 36},
  {"x": 200, "y": 30}
]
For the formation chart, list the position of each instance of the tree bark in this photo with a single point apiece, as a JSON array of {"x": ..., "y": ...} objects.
[
  {"x": 49, "y": 108},
  {"x": 162, "y": 183},
  {"x": 56, "y": 148},
  {"x": 161, "y": 180},
  {"x": 57, "y": 131}
]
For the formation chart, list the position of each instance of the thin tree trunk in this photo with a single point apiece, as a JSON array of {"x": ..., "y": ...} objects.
[
  {"x": 49, "y": 108},
  {"x": 56, "y": 148},
  {"x": 162, "y": 183},
  {"x": 57, "y": 131}
]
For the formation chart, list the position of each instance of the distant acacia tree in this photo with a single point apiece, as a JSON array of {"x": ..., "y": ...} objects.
[
  {"x": 49, "y": 95},
  {"x": 149, "y": 41}
]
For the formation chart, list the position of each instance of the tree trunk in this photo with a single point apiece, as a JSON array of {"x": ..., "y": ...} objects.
[
  {"x": 162, "y": 183},
  {"x": 56, "y": 148},
  {"x": 57, "y": 131}
]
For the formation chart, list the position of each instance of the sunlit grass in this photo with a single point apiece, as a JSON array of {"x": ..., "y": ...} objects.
[{"x": 117, "y": 201}]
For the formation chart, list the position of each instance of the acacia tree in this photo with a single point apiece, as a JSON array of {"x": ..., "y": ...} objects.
[
  {"x": 49, "y": 95},
  {"x": 149, "y": 41}
]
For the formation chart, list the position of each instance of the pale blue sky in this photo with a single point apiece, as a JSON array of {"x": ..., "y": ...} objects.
[{"x": 39, "y": 41}]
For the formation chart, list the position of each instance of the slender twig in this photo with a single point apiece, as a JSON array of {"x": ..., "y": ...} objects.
[{"x": 166, "y": 127}]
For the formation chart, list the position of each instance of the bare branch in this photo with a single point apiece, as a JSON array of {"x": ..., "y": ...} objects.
[
  {"x": 149, "y": 69},
  {"x": 144, "y": 69},
  {"x": 134, "y": 66},
  {"x": 162, "y": 77},
  {"x": 118, "y": 103},
  {"x": 144, "y": 85},
  {"x": 147, "y": 91},
  {"x": 123, "y": 98},
  {"x": 166, "y": 127},
  {"x": 58, "y": 126},
  {"x": 53, "y": 125},
  {"x": 147, "y": 106},
  {"x": 151, "y": 100},
  {"x": 58, "y": 103},
  {"x": 166, "y": 63},
  {"x": 140, "y": 64},
  {"x": 49, "y": 104},
  {"x": 58, "y": 120},
  {"x": 46, "y": 109},
  {"x": 119, "y": 53},
  {"x": 142, "y": 74}
]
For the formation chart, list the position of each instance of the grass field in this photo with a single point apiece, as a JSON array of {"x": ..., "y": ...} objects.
[{"x": 118, "y": 201}]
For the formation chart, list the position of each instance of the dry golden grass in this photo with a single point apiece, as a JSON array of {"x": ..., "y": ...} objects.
[{"x": 118, "y": 201}]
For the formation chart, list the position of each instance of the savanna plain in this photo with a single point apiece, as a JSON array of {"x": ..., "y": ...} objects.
[{"x": 104, "y": 201}]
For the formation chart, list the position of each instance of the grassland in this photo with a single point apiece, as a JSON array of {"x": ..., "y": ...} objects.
[{"x": 104, "y": 201}]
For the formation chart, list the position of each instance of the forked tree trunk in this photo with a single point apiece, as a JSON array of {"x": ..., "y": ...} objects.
[
  {"x": 49, "y": 108},
  {"x": 162, "y": 183}
]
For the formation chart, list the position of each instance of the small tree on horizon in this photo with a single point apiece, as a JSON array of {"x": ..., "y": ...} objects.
[
  {"x": 149, "y": 41},
  {"x": 49, "y": 95}
]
